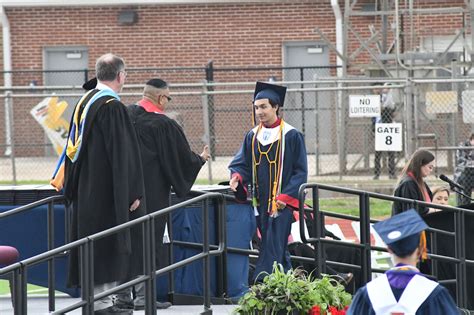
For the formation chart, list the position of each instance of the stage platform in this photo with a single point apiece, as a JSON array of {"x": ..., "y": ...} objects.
[{"x": 39, "y": 306}]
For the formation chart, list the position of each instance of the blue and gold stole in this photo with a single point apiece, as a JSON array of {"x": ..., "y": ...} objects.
[{"x": 74, "y": 140}]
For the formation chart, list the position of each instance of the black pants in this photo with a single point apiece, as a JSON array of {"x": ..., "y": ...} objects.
[
  {"x": 467, "y": 181},
  {"x": 391, "y": 162}
]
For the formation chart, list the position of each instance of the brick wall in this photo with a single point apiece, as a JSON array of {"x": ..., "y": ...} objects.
[{"x": 232, "y": 35}]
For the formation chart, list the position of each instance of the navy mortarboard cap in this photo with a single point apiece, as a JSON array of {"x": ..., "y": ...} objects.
[
  {"x": 90, "y": 85},
  {"x": 275, "y": 93},
  {"x": 402, "y": 232}
]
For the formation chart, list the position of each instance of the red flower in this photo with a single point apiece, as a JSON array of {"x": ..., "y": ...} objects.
[
  {"x": 335, "y": 311},
  {"x": 315, "y": 310}
]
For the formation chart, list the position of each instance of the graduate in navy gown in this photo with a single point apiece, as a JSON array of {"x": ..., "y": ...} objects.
[
  {"x": 272, "y": 162},
  {"x": 403, "y": 289}
]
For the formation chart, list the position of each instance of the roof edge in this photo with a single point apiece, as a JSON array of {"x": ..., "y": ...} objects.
[{"x": 69, "y": 3}]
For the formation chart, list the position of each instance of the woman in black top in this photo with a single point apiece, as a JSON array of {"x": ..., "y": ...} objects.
[{"x": 412, "y": 184}]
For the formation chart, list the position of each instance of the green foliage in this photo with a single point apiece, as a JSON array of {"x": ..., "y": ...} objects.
[{"x": 292, "y": 292}]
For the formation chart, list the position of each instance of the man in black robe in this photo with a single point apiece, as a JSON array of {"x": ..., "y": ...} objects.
[
  {"x": 167, "y": 162},
  {"x": 104, "y": 182}
]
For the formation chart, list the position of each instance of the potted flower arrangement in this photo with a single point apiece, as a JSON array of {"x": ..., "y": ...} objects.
[{"x": 294, "y": 292}]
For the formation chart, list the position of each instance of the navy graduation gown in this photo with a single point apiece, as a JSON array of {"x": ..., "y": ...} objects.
[
  {"x": 439, "y": 302},
  {"x": 274, "y": 230}
]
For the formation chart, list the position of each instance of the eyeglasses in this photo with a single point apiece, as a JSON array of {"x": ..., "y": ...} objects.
[
  {"x": 167, "y": 97},
  {"x": 124, "y": 72}
]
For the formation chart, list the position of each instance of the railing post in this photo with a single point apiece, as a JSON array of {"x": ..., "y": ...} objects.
[
  {"x": 170, "y": 254},
  {"x": 148, "y": 266},
  {"x": 19, "y": 291},
  {"x": 87, "y": 277},
  {"x": 460, "y": 253},
  {"x": 318, "y": 248},
  {"x": 221, "y": 259},
  {"x": 51, "y": 261},
  {"x": 206, "y": 263},
  {"x": 365, "y": 237}
]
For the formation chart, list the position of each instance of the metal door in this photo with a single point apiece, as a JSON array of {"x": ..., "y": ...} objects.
[{"x": 310, "y": 112}]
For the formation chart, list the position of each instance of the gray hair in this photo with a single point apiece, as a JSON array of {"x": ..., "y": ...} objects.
[{"x": 108, "y": 67}]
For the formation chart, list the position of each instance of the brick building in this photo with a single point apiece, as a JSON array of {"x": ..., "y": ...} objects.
[{"x": 188, "y": 34}]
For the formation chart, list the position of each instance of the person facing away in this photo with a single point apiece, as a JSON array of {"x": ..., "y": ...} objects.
[
  {"x": 464, "y": 171},
  {"x": 412, "y": 184},
  {"x": 386, "y": 116},
  {"x": 403, "y": 289},
  {"x": 103, "y": 181},
  {"x": 167, "y": 161},
  {"x": 272, "y": 159}
]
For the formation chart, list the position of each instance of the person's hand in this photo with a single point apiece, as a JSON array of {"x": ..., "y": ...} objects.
[
  {"x": 280, "y": 205},
  {"x": 234, "y": 182},
  {"x": 134, "y": 205},
  {"x": 205, "y": 154}
]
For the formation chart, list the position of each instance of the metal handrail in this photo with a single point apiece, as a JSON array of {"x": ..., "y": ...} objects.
[
  {"x": 50, "y": 237},
  {"x": 19, "y": 269},
  {"x": 366, "y": 247}
]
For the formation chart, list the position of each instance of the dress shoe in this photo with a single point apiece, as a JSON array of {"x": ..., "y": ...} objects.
[
  {"x": 113, "y": 310},
  {"x": 126, "y": 305},
  {"x": 346, "y": 278},
  {"x": 392, "y": 176},
  {"x": 159, "y": 305},
  {"x": 376, "y": 177}
]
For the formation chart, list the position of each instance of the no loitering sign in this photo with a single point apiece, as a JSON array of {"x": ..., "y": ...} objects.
[{"x": 364, "y": 105}]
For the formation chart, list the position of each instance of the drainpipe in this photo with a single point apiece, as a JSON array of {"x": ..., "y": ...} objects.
[
  {"x": 7, "y": 77},
  {"x": 340, "y": 95},
  {"x": 339, "y": 35}
]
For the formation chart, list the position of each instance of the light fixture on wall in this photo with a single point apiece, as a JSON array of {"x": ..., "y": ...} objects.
[{"x": 127, "y": 17}]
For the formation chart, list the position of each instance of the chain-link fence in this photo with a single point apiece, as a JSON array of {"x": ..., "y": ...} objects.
[{"x": 340, "y": 142}]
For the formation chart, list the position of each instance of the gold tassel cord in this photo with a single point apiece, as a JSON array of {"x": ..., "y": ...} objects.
[
  {"x": 424, "y": 250},
  {"x": 274, "y": 167}
]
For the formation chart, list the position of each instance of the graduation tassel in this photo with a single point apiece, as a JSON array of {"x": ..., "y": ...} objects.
[{"x": 424, "y": 250}]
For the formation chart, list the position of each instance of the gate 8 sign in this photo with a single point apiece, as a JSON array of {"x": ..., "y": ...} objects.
[{"x": 388, "y": 137}]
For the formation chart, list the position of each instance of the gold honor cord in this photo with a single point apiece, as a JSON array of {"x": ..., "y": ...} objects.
[{"x": 274, "y": 168}]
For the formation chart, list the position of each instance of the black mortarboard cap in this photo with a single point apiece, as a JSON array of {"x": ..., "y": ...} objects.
[
  {"x": 90, "y": 85},
  {"x": 158, "y": 83},
  {"x": 275, "y": 93},
  {"x": 402, "y": 232}
]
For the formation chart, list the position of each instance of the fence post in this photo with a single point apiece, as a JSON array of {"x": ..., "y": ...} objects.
[
  {"x": 207, "y": 128},
  {"x": 210, "y": 100},
  {"x": 411, "y": 141},
  {"x": 303, "y": 127},
  {"x": 341, "y": 135},
  {"x": 10, "y": 143}
]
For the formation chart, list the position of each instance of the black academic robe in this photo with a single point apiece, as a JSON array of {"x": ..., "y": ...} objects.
[
  {"x": 408, "y": 188},
  {"x": 439, "y": 302},
  {"x": 100, "y": 187},
  {"x": 167, "y": 161}
]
